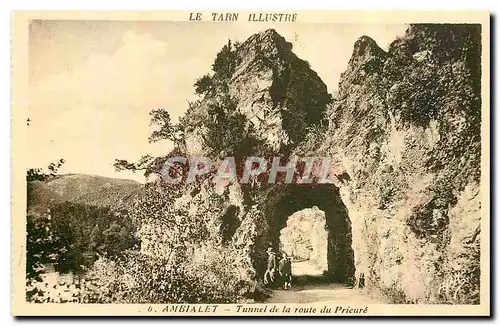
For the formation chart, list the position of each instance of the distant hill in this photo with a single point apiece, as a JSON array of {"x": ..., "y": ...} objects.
[{"x": 83, "y": 189}]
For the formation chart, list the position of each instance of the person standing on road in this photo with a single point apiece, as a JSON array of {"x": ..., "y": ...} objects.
[
  {"x": 285, "y": 270},
  {"x": 270, "y": 274}
]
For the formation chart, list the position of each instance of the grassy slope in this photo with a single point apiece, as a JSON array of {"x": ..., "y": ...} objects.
[{"x": 84, "y": 189}]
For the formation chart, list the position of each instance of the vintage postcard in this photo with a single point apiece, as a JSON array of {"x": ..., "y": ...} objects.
[{"x": 250, "y": 163}]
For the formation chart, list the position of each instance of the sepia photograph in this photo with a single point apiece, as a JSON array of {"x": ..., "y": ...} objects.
[{"x": 250, "y": 163}]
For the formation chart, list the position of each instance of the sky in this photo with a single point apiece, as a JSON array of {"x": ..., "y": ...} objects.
[{"x": 92, "y": 84}]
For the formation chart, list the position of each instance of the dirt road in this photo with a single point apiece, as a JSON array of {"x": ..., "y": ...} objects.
[{"x": 309, "y": 288}]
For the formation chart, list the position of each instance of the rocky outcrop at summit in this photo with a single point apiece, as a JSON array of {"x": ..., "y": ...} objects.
[
  {"x": 275, "y": 94},
  {"x": 367, "y": 59},
  {"x": 278, "y": 92}
]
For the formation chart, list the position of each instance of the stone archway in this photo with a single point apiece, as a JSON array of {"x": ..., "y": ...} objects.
[{"x": 284, "y": 200}]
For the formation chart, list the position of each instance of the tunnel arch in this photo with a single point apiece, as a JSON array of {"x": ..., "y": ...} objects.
[{"x": 284, "y": 200}]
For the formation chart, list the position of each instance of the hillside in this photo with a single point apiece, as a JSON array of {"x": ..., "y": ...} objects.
[{"x": 82, "y": 189}]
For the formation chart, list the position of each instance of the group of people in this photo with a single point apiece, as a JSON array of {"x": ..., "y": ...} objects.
[{"x": 279, "y": 271}]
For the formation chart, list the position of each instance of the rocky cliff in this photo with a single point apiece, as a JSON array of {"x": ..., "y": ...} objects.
[
  {"x": 407, "y": 126},
  {"x": 262, "y": 98},
  {"x": 405, "y": 129}
]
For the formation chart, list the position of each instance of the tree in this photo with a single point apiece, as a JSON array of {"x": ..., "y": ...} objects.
[
  {"x": 225, "y": 62},
  {"x": 142, "y": 165},
  {"x": 203, "y": 85},
  {"x": 39, "y": 175},
  {"x": 69, "y": 233},
  {"x": 41, "y": 245},
  {"x": 166, "y": 130}
]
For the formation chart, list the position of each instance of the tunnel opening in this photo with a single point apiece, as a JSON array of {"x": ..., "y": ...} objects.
[
  {"x": 305, "y": 240},
  {"x": 324, "y": 214}
]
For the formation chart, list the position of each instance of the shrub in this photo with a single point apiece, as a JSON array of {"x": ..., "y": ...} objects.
[
  {"x": 225, "y": 269},
  {"x": 181, "y": 258},
  {"x": 139, "y": 278},
  {"x": 396, "y": 295},
  {"x": 459, "y": 288}
]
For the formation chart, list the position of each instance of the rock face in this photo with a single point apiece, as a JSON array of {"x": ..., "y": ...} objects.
[
  {"x": 278, "y": 92},
  {"x": 407, "y": 125},
  {"x": 275, "y": 94},
  {"x": 406, "y": 129}
]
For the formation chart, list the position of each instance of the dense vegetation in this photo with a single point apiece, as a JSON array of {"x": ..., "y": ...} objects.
[
  {"x": 71, "y": 236},
  {"x": 173, "y": 264}
]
